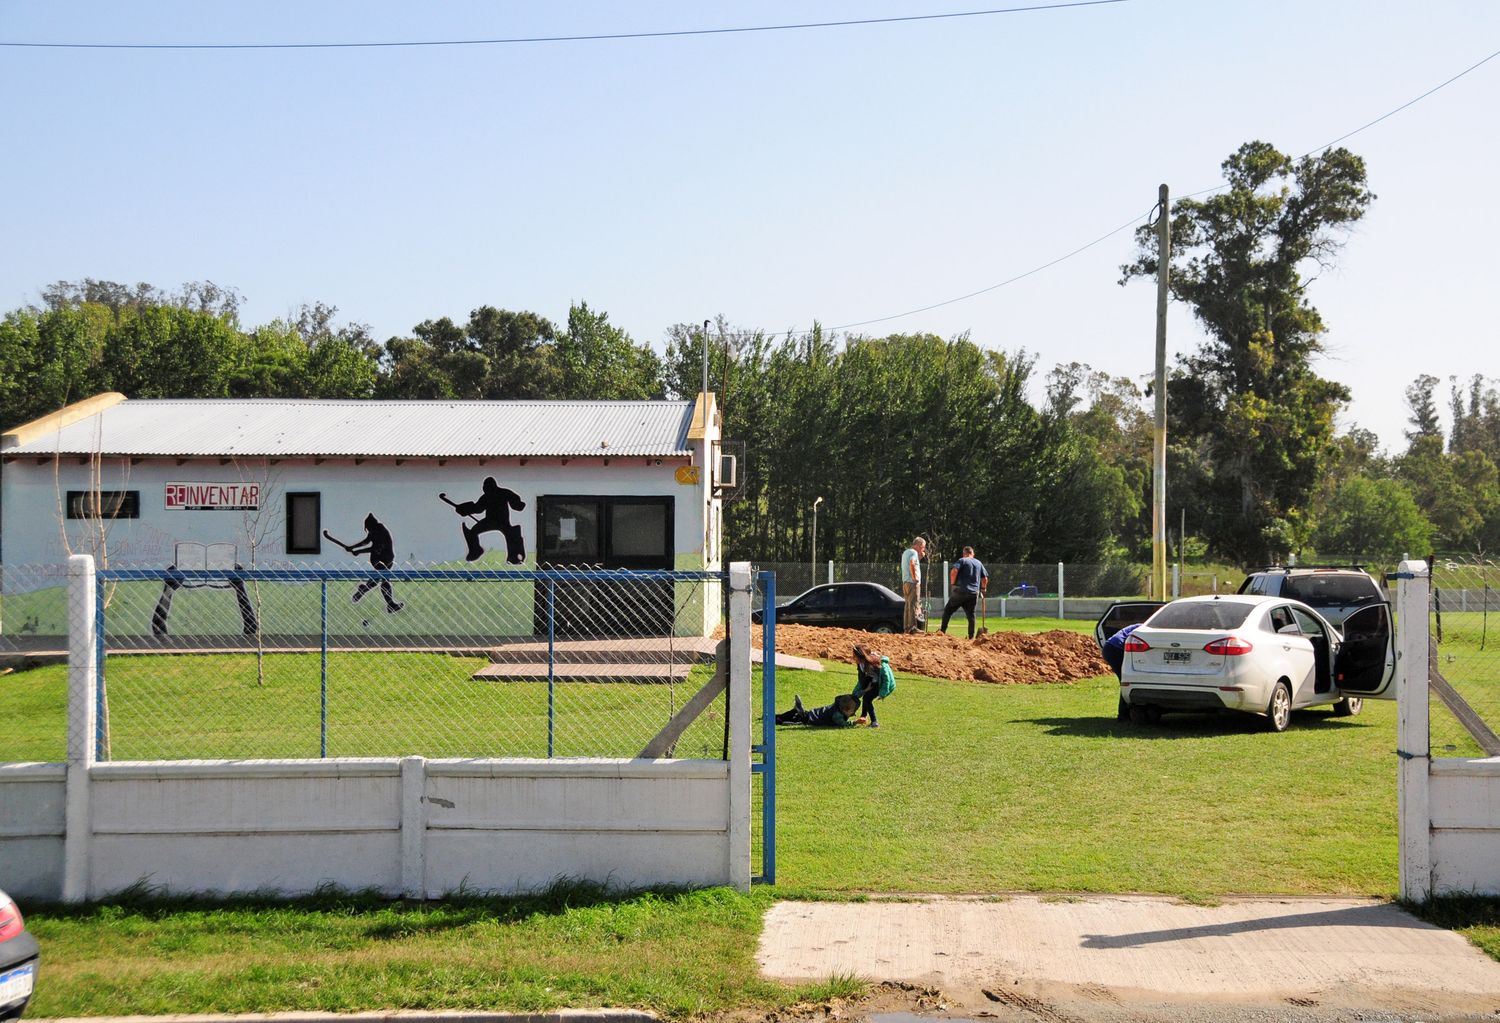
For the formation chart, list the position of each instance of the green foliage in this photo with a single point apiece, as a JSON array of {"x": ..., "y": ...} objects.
[
  {"x": 1255, "y": 417},
  {"x": 1376, "y": 520}
]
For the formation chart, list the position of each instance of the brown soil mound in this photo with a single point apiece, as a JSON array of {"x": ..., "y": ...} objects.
[{"x": 1010, "y": 658}]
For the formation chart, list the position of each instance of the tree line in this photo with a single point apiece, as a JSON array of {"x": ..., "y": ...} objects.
[{"x": 904, "y": 433}]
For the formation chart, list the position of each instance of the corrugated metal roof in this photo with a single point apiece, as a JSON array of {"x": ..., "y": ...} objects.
[{"x": 375, "y": 429}]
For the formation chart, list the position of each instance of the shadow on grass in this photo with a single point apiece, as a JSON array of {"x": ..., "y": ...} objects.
[
  {"x": 1181, "y": 725},
  {"x": 389, "y": 918}
]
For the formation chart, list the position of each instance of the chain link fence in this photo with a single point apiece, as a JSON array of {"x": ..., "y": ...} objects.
[
  {"x": 1465, "y": 660},
  {"x": 286, "y": 662}
]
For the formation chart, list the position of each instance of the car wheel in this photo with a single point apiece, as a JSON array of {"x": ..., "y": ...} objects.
[
  {"x": 1123, "y": 713},
  {"x": 1279, "y": 710},
  {"x": 885, "y": 629},
  {"x": 1348, "y": 707}
]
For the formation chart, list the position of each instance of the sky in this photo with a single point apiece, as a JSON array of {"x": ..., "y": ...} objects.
[{"x": 836, "y": 175}]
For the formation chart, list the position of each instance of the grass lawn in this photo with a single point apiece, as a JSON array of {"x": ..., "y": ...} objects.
[{"x": 680, "y": 954}]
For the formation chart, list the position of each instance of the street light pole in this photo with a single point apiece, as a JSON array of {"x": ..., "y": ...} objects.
[{"x": 814, "y": 579}]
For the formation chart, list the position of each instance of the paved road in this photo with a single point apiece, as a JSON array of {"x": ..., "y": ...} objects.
[{"x": 1122, "y": 950}]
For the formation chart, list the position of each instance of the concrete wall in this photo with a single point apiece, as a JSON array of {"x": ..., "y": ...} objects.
[
  {"x": 414, "y": 827},
  {"x": 409, "y": 827},
  {"x": 1449, "y": 808},
  {"x": 1464, "y": 798}
]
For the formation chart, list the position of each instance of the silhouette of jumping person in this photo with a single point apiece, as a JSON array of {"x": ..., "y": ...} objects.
[
  {"x": 493, "y": 507},
  {"x": 377, "y": 543}
]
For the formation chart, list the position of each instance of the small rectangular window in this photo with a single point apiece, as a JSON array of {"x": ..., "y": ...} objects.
[
  {"x": 104, "y": 504},
  {"x": 303, "y": 524}
]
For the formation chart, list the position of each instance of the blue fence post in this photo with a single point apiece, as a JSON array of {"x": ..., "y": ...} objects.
[
  {"x": 323, "y": 670},
  {"x": 768, "y": 732},
  {"x": 551, "y": 661},
  {"x": 101, "y": 707}
]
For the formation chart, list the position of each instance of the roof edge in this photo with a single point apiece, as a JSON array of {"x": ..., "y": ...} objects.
[{"x": 63, "y": 417}]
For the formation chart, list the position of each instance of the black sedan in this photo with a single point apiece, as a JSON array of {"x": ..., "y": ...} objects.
[
  {"x": 844, "y": 605},
  {"x": 18, "y": 958}
]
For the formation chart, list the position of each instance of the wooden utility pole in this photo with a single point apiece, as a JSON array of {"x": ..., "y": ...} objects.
[{"x": 1159, "y": 467}]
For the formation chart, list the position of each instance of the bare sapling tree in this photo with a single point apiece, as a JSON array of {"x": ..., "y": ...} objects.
[{"x": 260, "y": 527}]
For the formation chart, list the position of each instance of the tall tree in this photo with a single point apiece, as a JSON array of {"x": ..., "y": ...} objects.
[
  {"x": 1264, "y": 419},
  {"x": 1421, "y": 407}
]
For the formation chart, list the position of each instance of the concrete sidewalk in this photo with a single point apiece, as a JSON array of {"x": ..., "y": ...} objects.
[{"x": 1349, "y": 952}]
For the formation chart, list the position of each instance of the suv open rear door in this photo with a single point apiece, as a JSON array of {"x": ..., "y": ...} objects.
[
  {"x": 1126, "y": 612},
  {"x": 1365, "y": 663}
]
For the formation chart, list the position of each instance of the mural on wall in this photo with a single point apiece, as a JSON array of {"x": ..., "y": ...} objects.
[
  {"x": 203, "y": 557},
  {"x": 376, "y": 543},
  {"x": 492, "y": 512}
]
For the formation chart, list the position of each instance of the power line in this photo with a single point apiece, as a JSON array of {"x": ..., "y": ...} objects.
[
  {"x": 594, "y": 37},
  {"x": 1134, "y": 220}
]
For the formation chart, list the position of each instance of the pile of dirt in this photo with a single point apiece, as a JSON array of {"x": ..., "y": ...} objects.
[{"x": 1007, "y": 658}]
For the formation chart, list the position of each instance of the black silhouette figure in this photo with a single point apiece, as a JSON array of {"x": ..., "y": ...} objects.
[
  {"x": 493, "y": 507},
  {"x": 377, "y": 543}
]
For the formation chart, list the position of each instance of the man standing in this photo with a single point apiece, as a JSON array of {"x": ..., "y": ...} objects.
[
  {"x": 968, "y": 579},
  {"x": 911, "y": 582}
]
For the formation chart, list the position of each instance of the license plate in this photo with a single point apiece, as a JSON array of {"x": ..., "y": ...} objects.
[
  {"x": 1177, "y": 656},
  {"x": 16, "y": 984}
]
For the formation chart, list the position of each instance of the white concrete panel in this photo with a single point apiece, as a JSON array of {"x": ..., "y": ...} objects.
[
  {"x": 33, "y": 800},
  {"x": 31, "y": 868},
  {"x": 182, "y": 803},
  {"x": 1470, "y": 799},
  {"x": 281, "y": 863},
  {"x": 1466, "y": 862},
  {"x": 510, "y": 861},
  {"x": 601, "y": 804}
]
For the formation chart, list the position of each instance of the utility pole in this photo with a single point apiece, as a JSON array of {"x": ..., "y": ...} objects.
[
  {"x": 815, "y": 543},
  {"x": 1159, "y": 468}
]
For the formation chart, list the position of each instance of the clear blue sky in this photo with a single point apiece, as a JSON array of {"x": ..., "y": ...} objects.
[{"x": 833, "y": 174}]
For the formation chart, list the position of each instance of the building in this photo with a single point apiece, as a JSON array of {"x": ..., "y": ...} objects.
[{"x": 489, "y": 484}]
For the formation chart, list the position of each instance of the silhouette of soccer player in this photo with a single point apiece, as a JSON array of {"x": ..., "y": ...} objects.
[{"x": 493, "y": 507}]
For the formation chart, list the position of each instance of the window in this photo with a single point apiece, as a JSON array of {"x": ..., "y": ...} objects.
[
  {"x": 303, "y": 524},
  {"x": 1282, "y": 622},
  {"x": 1211, "y": 615},
  {"x": 104, "y": 504},
  {"x": 1333, "y": 590},
  {"x": 1310, "y": 625}
]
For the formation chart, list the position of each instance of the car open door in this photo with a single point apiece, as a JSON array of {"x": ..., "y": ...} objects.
[
  {"x": 1365, "y": 663},
  {"x": 1126, "y": 612}
]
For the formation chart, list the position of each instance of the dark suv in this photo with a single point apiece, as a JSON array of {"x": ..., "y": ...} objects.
[{"x": 1336, "y": 591}]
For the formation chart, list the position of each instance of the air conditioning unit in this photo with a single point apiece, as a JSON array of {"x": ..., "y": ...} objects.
[{"x": 728, "y": 478}]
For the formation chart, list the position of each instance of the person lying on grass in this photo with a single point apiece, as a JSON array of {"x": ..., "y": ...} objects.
[{"x": 836, "y": 715}]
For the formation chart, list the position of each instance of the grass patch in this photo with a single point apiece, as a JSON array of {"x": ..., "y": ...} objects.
[
  {"x": 1476, "y": 917},
  {"x": 680, "y": 954},
  {"x": 969, "y": 787}
]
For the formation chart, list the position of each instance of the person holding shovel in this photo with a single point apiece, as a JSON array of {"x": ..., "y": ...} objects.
[{"x": 968, "y": 579}]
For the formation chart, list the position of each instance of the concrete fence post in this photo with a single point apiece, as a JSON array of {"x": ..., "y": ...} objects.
[
  {"x": 83, "y": 683},
  {"x": 413, "y": 827},
  {"x": 1060, "y": 614},
  {"x": 945, "y": 582},
  {"x": 1413, "y": 809},
  {"x": 739, "y": 724},
  {"x": 830, "y": 571}
]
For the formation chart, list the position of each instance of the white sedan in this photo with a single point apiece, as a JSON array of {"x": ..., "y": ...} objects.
[{"x": 1263, "y": 655}]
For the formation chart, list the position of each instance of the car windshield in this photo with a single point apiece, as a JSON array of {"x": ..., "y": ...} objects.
[
  {"x": 1209, "y": 615},
  {"x": 1331, "y": 590}
]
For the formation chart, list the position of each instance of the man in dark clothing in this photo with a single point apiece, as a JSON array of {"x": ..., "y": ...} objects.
[
  {"x": 377, "y": 543},
  {"x": 835, "y": 715},
  {"x": 1114, "y": 649},
  {"x": 968, "y": 580}
]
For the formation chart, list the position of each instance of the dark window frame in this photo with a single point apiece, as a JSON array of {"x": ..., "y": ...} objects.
[
  {"x": 129, "y": 506},
  {"x": 291, "y": 503}
]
